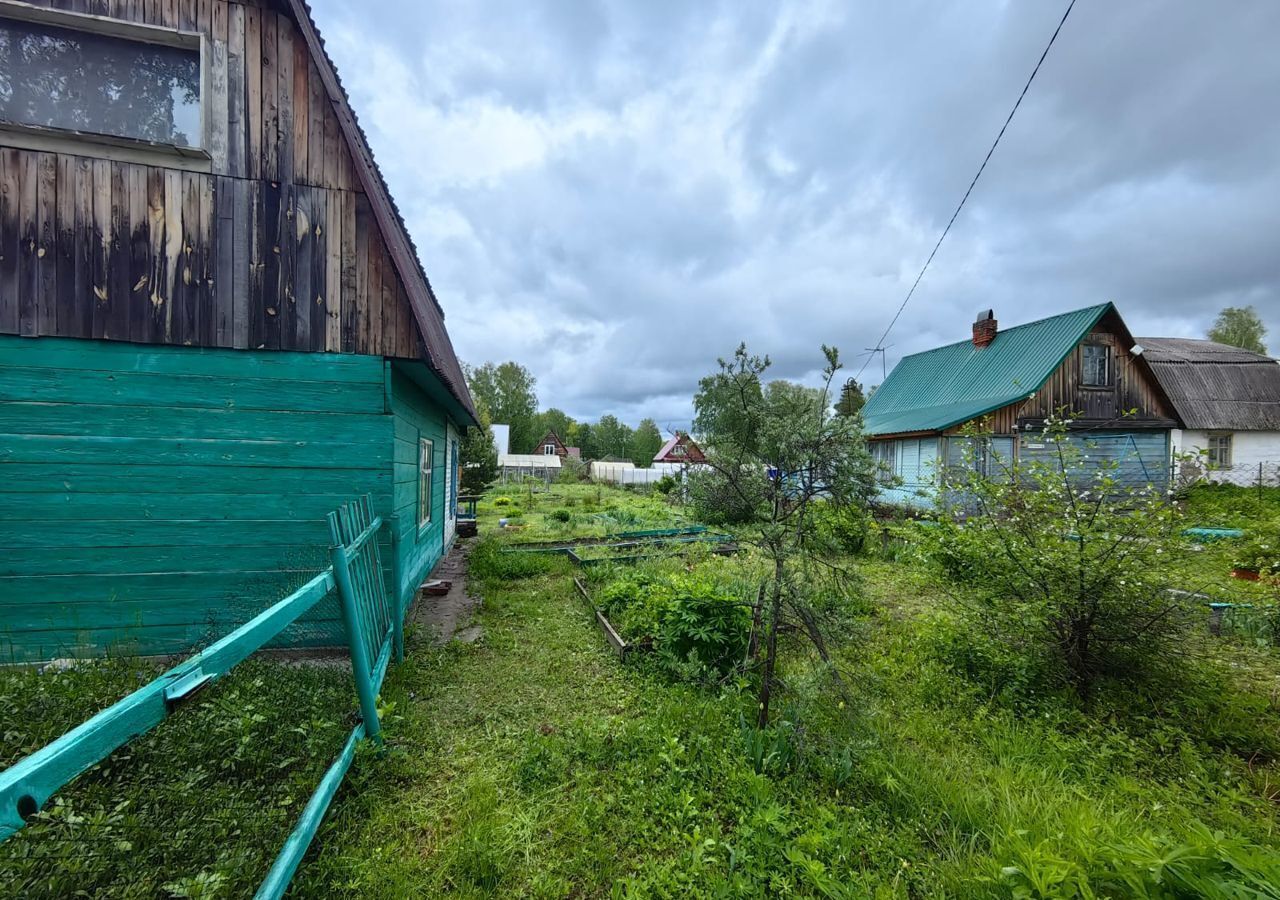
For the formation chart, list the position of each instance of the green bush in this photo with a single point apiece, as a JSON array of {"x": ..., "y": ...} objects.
[
  {"x": 666, "y": 484},
  {"x": 698, "y": 628},
  {"x": 560, "y": 515},
  {"x": 501, "y": 501}
]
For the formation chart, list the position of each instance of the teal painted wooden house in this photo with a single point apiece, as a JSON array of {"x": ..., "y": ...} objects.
[
  {"x": 213, "y": 329},
  {"x": 1006, "y": 382}
]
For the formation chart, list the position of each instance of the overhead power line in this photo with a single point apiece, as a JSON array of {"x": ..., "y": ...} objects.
[{"x": 879, "y": 347}]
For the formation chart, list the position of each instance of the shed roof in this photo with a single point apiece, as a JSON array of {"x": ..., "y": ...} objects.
[
  {"x": 529, "y": 460},
  {"x": 939, "y": 388},
  {"x": 1216, "y": 386}
]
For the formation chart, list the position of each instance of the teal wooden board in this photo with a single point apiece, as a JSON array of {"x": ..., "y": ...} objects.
[
  {"x": 251, "y": 483},
  {"x": 69, "y": 506},
  {"x": 165, "y": 422},
  {"x": 75, "y": 355},
  {"x": 176, "y": 560},
  {"x": 147, "y": 389},
  {"x": 315, "y": 453}
]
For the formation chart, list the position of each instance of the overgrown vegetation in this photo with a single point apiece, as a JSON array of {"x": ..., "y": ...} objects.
[{"x": 534, "y": 763}]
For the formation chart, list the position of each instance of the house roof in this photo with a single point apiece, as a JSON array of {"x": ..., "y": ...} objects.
[
  {"x": 667, "y": 448},
  {"x": 1216, "y": 386},
  {"x": 438, "y": 352},
  {"x": 947, "y": 386}
]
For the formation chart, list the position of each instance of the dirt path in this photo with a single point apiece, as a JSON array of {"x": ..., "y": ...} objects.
[{"x": 447, "y": 618}]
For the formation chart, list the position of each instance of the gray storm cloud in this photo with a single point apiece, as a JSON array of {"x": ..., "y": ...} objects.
[{"x": 614, "y": 194}]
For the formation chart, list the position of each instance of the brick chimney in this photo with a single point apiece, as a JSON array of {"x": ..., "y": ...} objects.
[{"x": 985, "y": 328}]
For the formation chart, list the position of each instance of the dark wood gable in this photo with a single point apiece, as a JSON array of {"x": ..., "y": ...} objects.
[{"x": 281, "y": 236}]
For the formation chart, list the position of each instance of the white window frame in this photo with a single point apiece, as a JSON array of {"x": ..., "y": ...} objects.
[
  {"x": 1218, "y": 441},
  {"x": 110, "y": 146},
  {"x": 426, "y": 475}
]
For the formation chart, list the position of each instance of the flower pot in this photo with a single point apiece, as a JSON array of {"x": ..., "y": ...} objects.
[{"x": 1244, "y": 574}]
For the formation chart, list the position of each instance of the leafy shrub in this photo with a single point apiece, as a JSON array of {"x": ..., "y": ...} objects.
[
  {"x": 560, "y": 515},
  {"x": 845, "y": 529},
  {"x": 698, "y": 628},
  {"x": 666, "y": 484},
  {"x": 1063, "y": 561},
  {"x": 501, "y": 501},
  {"x": 1261, "y": 551}
]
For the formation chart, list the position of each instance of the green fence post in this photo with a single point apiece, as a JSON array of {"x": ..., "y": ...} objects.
[
  {"x": 397, "y": 595},
  {"x": 355, "y": 637}
]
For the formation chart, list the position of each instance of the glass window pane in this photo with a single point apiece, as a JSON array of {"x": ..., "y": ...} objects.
[
  {"x": 1095, "y": 359},
  {"x": 64, "y": 78}
]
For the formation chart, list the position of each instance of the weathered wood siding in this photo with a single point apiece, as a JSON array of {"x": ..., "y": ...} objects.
[
  {"x": 1133, "y": 388},
  {"x": 275, "y": 248},
  {"x": 155, "y": 497},
  {"x": 416, "y": 417}
]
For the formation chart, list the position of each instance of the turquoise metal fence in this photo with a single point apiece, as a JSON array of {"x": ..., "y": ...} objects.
[{"x": 373, "y": 620}]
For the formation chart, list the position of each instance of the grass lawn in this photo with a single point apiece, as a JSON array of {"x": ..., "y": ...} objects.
[{"x": 535, "y": 763}]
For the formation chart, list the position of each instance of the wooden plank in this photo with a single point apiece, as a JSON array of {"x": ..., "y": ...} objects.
[
  {"x": 349, "y": 323},
  {"x": 360, "y": 312},
  {"x": 118, "y": 256},
  {"x": 332, "y": 158},
  {"x": 284, "y": 98},
  {"x": 142, "y": 481},
  {"x": 46, "y": 243},
  {"x": 140, "y": 308},
  {"x": 169, "y": 13},
  {"x": 224, "y": 256},
  {"x": 253, "y": 91},
  {"x": 318, "y": 452},
  {"x": 319, "y": 293},
  {"x": 188, "y": 18},
  {"x": 301, "y": 112},
  {"x": 390, "y": 296},
  {"x": 101, "y": 248},
  {"x": 206, "y": 262},
  {"x": 258, "y": 250},
  {"x": 270, "y": 99},
  {"x": 83, "y": 300},
  {"x": 241, "y": 261},
  {"x": 219, "y": 105},
  {"x": 286, "y": 242},
  {"x": 273, "y": 201},
  {"x": 303, "y": 240},
  {"x": 28, "y": 271},
  {"x": 318, "y": 111},
  {"x": 204, "y": 16},
  {"x": 186, "y": 316},
  {"x": 9, "y": 241},
  {"x": 158, "y": 295},
  {"x": 66, "y": 322},
  {"x": 333, "y": 272},
  {"x": 237, "y": 123},
  {"x": 372, "y": 329},
  {"x": 220, "y": 13}
]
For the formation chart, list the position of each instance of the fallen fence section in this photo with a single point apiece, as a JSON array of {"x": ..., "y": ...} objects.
[{"x": 373, "y": 621}]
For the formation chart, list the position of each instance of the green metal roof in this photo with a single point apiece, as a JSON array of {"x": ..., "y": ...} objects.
[{"x": 940, "y": 388}]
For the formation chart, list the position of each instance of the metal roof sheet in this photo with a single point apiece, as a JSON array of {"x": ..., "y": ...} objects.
[{"x": 949, "y": 385}]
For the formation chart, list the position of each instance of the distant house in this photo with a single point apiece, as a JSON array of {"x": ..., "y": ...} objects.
[
  {"x": 1006, "y": 382},
  {"x": 1228, "y": 406},
  {"x": 680, "y": 449},
  {"x": 551, "y": 445}
]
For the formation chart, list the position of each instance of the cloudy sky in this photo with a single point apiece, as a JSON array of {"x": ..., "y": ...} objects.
[{"x": 616, "y": 193}]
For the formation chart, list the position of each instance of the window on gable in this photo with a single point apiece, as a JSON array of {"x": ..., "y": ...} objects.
[
  {"x": 70, "y": 79},
  {"x": 1219, "y": 455},
  {"x": 1095, "y": 364},
  {"x": 425, "y": 449},
  {"x": 548, "y": 449}
]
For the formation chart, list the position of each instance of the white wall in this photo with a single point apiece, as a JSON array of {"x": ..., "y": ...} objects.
[
  {"x": 1248, "y": 450},
  {"x": 501, "y": 438}
]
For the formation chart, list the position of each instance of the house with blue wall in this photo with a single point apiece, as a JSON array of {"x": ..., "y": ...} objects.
[
  {"x": 214, "y": 328},
  {"x": 1003, "y": 384}
]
